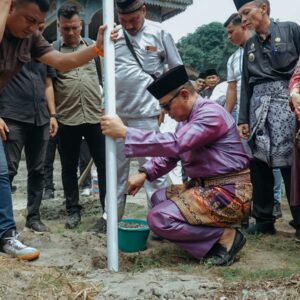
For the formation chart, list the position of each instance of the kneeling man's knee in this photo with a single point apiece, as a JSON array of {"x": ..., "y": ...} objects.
[
  {"x": 158, "y": 197},
  {"x": 154, "y": 219}
]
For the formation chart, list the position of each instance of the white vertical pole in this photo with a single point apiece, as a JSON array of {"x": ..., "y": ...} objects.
[{"x": 111, "y": 163}]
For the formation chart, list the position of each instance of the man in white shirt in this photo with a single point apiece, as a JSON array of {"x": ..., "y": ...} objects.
[
  {"x": 154, "y": 49},
  {"x": 237, "y": 35}
]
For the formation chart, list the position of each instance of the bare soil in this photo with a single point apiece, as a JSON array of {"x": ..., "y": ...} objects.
[
  {"x": 132, "y": 225},
  {"x": 73, "y": 263}
]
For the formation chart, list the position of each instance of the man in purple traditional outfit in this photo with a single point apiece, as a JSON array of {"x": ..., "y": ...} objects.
[{"x": 196, "y": 216}]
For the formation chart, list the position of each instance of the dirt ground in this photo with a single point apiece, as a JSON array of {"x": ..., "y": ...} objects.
[{"x": 73, "y": 263}]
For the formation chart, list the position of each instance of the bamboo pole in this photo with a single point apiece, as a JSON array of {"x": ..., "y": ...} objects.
[{"x": 85, "y": 173}]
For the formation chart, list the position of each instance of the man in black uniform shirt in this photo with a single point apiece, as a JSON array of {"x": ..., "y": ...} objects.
[{"x": 265, "y": 118}]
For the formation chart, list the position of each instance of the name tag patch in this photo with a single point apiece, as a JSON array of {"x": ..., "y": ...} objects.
[{"x": 151, "y": 48}]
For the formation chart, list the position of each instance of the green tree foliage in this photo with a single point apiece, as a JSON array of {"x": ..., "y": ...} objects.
[{"x": 208, "y": 47}]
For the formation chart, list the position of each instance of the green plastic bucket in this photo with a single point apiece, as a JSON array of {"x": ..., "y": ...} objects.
[{"x": 133, "y": 239}]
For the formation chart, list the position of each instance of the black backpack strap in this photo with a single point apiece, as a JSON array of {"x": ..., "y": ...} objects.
[
  {"x": 89, "y": 42},
  {"x": 57, "y": 46},
  {"x": 130, "y": 47}
]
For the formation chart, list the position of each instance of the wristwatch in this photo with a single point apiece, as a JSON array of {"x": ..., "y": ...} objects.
[{"x": 142, "y": 170}]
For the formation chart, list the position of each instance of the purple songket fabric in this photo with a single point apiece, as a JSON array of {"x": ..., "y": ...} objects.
[
  {"x": 166, "y": 220},
  {"x": 208, "y": 145}
]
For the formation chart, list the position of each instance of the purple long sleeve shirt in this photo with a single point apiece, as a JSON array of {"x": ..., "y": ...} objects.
[{"x": 207, "y": 144}]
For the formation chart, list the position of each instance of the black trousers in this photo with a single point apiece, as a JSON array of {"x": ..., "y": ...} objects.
[
  {"x": 263, "y": 195},
  {"x": 70, "y": 138},
  {"x": 49, "y": 161},
  {"x": 34, "y": 140},
  {"x": 84, "y": 159}
]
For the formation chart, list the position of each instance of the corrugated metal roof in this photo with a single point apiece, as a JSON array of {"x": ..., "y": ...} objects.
[
  {"x": 157, "y": 10},
  {"x": 179, "y": 4},
  {"x": 176, "y": 5},
  {"x": 161, "y": 10}
]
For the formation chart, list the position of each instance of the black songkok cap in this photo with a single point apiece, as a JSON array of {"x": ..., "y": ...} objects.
[
  {"x": 128, "y": 6},
  {"x": 202, "y": 75},
  {"x": 240, "y": 3},
  {"x": 210, "y": 72},
  {"x": 168, "y": 82}
]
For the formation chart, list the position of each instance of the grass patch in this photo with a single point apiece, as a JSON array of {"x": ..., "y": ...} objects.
[
  {"x": 239, "y": 274},
  {"x": 167, "y": 256},
  {"x": 133, "y": 210},
  {"x": 186, "y": 268},
  {"x": 139, "y": 262}
]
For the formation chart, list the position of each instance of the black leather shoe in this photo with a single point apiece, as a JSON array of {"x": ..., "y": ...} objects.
[
  {"x": 219, "y": 256},
  {"x": 36, "y": 226},
  {"x": 99, "y": 227},
  {"x": 48, "y": 194},
  {"x": 245, "y": 222},
  {"x": 73, "y": 221},
  {"x": 292, "y": 223},
  {"x": 277, "y": 213},
  {"x": 297, "y": 235},
  {"x": 13, "y": 189},
  {"x": 261, "y": 229}
]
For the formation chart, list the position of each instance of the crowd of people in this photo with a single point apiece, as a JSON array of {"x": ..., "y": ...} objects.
[{"x": 237, "y": 140}]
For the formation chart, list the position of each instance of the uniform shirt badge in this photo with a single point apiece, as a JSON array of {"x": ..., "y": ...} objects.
[
  {"x": 151, "y": 48},
  {"x": 277, "y": 40},
  {"x": 251, "y": 57}
]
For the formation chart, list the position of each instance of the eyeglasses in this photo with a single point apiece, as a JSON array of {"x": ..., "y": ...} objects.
[{"x": 167, "y": 106}]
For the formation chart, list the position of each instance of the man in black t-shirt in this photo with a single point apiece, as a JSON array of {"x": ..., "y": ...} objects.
[
  {"x": 24, "y": 106},
  {"x": 19, "y": 42}
]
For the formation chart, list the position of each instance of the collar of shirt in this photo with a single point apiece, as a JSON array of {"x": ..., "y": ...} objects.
[
  {"x": 7, "y": 33},
  {"x": 10, "y": 36},
  {"x": 63, "y": 44},
  {"x": 269, "y": 32},
  {"x": 271, "y": 28},
  {"x": 139, "y": 32},
  {"x": 195, "y": 105}
]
